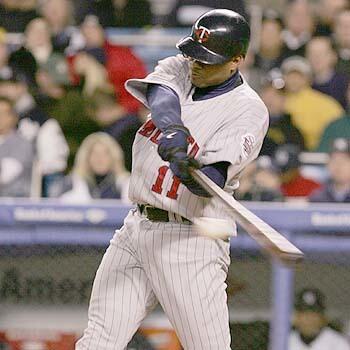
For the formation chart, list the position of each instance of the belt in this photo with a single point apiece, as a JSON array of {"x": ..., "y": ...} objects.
[{"x": 160, "y": 215}]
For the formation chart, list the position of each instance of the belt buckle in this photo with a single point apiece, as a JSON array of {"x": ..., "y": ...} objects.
[{"x": 145, "y": 209}]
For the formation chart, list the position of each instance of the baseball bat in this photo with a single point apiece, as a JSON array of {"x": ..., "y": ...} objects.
[{"x": 267, "y": 237}]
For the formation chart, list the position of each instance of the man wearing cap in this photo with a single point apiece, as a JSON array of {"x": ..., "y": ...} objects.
[
  {"x": 311, "y": 330},
  {"x": 294, "y": 184},
  {"x": 311, "y": 110},
  {"x": 337, "y": 189}
]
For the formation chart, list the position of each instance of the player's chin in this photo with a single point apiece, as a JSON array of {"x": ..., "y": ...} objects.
[{"x": 197, "y": 81}]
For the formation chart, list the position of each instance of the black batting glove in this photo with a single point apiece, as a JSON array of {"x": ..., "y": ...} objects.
[
  {"x": 181, "y": 166},
  {"x": 174, "y": 141}
]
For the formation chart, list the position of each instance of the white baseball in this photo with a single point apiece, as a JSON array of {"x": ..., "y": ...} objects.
[{"x": 213, "y": 228}]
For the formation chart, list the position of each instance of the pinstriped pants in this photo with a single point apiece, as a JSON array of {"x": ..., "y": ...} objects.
[{"x": 150, "y": 262}]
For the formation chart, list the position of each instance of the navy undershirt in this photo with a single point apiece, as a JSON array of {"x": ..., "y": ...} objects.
[
  {"x": 217, "y": 90},
  {"x": 165, "y": 109}
]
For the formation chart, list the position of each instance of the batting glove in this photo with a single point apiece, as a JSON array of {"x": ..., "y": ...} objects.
[
  {"x": 180, "y": 166},
  {"x": 173, "y": 142}
]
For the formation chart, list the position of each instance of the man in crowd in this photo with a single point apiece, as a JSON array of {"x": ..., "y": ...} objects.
[
  {"x": 50, "y": 145},
  {"x": 281, "y": 129},
  {"x": 337, "y": 189},
  {"x": 16, "y": 155},
  {"x": 311, "y": 110},
  {"x": 294, "y": 184},
  {"x": 323, "y": 59},
  {"x": 120, "y": 62},
  {"x": 311, "y": 325}
]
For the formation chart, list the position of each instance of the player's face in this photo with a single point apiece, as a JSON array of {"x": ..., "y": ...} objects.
[{"x": 203, "y": 75}]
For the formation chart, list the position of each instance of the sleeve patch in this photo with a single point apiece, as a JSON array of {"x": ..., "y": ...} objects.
[{"x": 247, "y": 144}]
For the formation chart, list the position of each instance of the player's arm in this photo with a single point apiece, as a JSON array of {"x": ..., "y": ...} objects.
[{"x": 165, "y": 109}]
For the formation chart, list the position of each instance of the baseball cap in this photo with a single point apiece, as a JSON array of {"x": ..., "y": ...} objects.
[
  {"x": 266, "y": 163},
  {"x": 296, "y": 64},
  {"x": 310, "y": 299},
  {"x": 287, "y": 157},
  {"x": 341, "y": 145}
]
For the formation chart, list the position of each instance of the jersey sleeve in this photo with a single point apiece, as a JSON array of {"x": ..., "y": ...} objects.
[
  {"x": 238, "y": 141},
  {"x": 172, "y": 72}
]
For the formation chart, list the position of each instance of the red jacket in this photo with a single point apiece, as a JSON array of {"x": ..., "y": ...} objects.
[
  {"x": 299, "y": 187},
  {"x": 121, "y": 65}
]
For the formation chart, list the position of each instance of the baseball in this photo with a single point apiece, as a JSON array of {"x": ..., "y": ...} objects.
[{"x": 213, "y": 228}]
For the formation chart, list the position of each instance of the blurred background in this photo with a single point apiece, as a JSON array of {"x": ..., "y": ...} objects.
[{"x": 66, "y": 130}]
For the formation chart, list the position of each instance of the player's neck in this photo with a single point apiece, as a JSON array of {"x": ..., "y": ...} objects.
[{"x": 231, "y": 83}]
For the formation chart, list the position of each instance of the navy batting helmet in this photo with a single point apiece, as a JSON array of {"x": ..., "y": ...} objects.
[{"x": 216, "y": 37}]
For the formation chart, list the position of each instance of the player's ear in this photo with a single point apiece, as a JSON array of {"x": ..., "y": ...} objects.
[
  {"x": 235, "y": 61},
  {"x": 238, "y": 59}
]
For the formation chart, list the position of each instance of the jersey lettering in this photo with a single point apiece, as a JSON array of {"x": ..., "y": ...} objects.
[
  {"x": 147, "y": 128},
  {"x": 162, "y": 171}
]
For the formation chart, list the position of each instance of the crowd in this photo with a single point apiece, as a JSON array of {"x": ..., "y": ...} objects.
[{"x": 67, "y": 123}]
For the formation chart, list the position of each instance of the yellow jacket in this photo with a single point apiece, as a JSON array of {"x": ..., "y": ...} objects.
[{"x": 311, "y": 112}]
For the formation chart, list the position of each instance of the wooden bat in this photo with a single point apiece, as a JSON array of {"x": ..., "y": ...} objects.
[{"x": 269, "y": 239}]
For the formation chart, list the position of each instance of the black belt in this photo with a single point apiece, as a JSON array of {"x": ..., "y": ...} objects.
[{"x": 160, "y": 215}]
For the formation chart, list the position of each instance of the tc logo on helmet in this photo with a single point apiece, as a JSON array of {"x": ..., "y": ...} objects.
[{"x": 202, "y": 34}]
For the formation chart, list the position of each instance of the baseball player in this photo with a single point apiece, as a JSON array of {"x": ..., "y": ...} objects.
[{"x": 204, "y": 115}]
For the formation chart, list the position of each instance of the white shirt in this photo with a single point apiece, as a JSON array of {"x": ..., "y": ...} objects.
[{"x": 328, "y": 339}]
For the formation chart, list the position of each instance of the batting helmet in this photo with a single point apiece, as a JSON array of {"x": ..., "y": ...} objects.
[{"x": 216, "y": 37}]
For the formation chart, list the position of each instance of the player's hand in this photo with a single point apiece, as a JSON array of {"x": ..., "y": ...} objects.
[
  {"x": 180, "y": 166},
  {"x": 174, "y": 141}
]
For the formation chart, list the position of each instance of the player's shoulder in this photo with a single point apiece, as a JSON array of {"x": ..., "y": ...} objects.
[
  {"x": 246, "y": 96},
  {"x": 173, "y": 63}
]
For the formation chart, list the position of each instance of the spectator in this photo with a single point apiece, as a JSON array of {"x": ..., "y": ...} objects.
[
  {"x": 59, "y": 16},
  {"x": 16, "y": 155},
  {"x": 265, "y": 183},
  {"x": 337, "y": 189},
  {"x": 339, "y": 128},
  {"x": 120, "y": 62},
  {"x": 185, "y": 12},
  {"x": 270, "y": 54},
  {"x": 44, "y": 132},
  {"x": 299, "y": 27},
  {"x": 281, "y": 129},
  {"x": 323, "y": 59},
  {"x": 311, "y": 110},
  {"x": 311, "y": 324},
  {"x": 114, "y": 121},
  {"x": 342, "y": 41},
  {"x": 37, "y": 50},
  {"x": 66, "y": 104},
  {"x": 98, "y": 172},
  {"x": 16, "y": 14},
  {"x": 92, "y": 74},
  {"x": 294, "y": 184},
  {"x": 327, "y": 12}
]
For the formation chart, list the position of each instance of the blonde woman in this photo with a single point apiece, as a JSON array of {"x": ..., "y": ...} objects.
[{"x": 98, "y": 172}]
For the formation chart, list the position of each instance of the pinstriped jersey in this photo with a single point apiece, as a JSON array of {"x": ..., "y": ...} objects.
[{"x": 229, "y": 127}]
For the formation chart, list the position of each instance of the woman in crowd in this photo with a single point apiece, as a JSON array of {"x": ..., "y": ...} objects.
[{"x": 98, "y": 172}]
